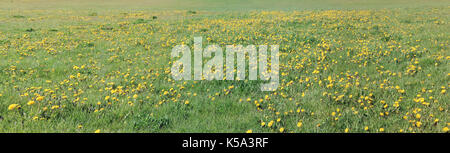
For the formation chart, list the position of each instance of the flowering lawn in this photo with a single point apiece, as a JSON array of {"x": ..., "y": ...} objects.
[{"x": 341, "y": 70}]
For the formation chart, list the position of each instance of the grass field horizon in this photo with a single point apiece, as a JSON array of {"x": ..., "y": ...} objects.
[
  {"x": 221, "y": 5},
  {"x": 357, "y": 66}
]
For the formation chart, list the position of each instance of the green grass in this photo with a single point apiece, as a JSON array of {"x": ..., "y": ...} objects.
[{"x": 360, "y": 45}]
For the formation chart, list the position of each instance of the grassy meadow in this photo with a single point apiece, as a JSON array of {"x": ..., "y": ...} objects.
[{"x": 362, "y": 66}]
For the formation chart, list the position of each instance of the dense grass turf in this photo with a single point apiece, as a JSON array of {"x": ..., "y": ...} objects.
[{"x": 346, "y": 66}]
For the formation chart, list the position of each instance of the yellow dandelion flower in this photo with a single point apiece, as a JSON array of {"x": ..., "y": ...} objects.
[
  {"x": 299, "y": 124},
  {"x": 270, "y": 123},
  {"x": 130, "y": 103},
  {"x": 418, "y": 116},
  {"x": 39, "y": 98},
  {"x": 445, "y": 129},
  {"x": 31, "y": 102},
  {"x": 13, "y": 106},
  {"x": 418, "y": 124}
]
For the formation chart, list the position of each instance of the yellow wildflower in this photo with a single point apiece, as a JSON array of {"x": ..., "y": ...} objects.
[{"x": 13, "y": 106}]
